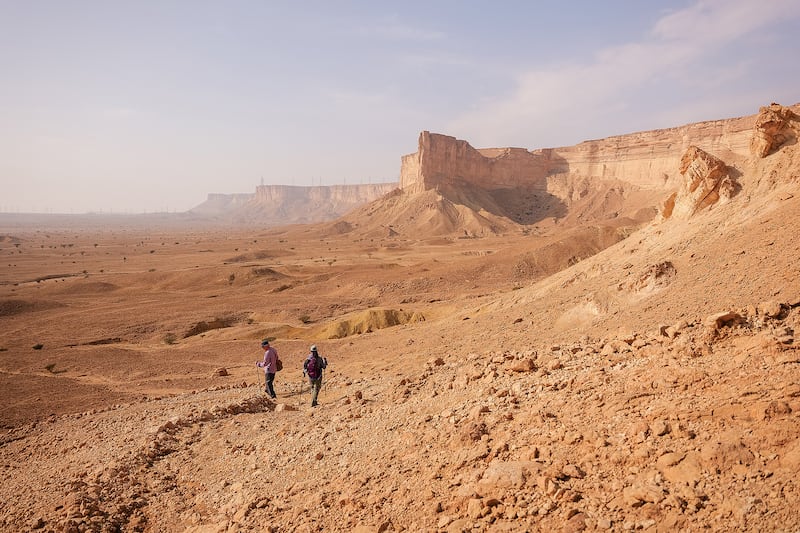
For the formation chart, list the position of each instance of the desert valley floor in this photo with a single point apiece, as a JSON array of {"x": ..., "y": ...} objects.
[{"x": 654, "y": 386}]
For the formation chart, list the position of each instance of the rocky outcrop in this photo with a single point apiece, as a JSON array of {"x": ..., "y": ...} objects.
[
  {"x": 775, "y": 126},
  {"x": 707, "y": 181}
]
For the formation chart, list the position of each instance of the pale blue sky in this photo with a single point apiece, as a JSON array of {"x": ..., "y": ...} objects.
[{"x": 151, "y": 105}]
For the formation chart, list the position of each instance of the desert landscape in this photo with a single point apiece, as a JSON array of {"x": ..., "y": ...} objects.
[{"x": 591, "y": 338}]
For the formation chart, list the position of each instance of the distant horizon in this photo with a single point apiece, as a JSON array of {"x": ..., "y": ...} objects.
[
  {"x": 169, "y": 211},
  {"x": 140, "y": 107}
]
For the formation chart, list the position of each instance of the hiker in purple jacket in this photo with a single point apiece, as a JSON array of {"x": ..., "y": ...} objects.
[
  {"x": 270, "y": 366},
  {"x": 313, "y": 367}
]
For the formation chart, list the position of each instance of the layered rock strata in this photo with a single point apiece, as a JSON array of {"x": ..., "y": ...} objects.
[{"x": 647, "y": 160}]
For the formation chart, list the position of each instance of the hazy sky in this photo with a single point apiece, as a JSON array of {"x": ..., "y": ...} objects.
[{"x": 131, "y": 106}]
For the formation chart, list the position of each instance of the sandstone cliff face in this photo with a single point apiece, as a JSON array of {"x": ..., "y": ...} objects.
[
  {"x": 647, "y": 160},
  {"x": 442, "y": 160}
]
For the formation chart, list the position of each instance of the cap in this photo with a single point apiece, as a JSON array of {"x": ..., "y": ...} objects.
[
  {"x": 313, "y": 347},
  {"x": 265, "y": 342}
]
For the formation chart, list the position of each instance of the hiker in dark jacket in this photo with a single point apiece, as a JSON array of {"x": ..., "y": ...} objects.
[{"x": 312, "y": 367}]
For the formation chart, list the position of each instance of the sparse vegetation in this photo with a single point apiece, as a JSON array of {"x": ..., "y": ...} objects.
[{"x": 52, "y": 369}]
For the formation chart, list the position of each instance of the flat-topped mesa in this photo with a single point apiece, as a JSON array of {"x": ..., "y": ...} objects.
[
  {"x": 289, "y": 204},
  {"x": 442, "y": 160},
  {"x": 354, "y": 195},
  {"x": 648, "y": 160}
]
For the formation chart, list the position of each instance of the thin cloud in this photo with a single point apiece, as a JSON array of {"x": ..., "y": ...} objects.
[
  {"x": 538, "y": 110},
  {"x": 720, "y": 21},
  {"x": 395, "y": 30},
  {"x": 433, "y": 59}
]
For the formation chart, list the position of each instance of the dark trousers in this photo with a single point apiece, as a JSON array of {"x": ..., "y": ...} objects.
[
  {"x": 316, "y": 384},
  {"x": 270, "y": 389}
]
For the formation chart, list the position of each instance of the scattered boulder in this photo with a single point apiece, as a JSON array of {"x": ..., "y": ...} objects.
[
  {"x": 770, "y": 309},
  {"x": 723, "y": 319}
]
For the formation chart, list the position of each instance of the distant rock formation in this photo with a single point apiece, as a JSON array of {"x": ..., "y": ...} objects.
[
  {"x": 285, "y": 204},
  {"x": 617, "y": 181}
]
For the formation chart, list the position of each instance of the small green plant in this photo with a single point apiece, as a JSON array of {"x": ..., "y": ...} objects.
[{"x": 170, "y": 338}]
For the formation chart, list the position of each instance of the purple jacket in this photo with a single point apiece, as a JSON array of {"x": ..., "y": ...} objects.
[{"x": 270, "y": 362}]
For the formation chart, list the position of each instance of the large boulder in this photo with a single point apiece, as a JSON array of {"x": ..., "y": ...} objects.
[
  {"x": 706, "y": 182},
  {"x": 775, "y": 126}
]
